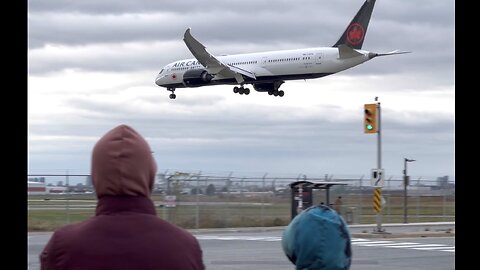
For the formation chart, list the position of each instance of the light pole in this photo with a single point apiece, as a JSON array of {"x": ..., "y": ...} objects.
[{"x": 405, "y": 184}]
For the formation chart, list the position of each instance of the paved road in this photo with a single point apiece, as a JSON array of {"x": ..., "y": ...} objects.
[{"x": 261, "y": 249}]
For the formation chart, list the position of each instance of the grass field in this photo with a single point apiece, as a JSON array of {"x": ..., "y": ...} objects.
[{"x": 47, "y": 213}]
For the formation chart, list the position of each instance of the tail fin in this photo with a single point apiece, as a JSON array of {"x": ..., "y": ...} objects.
[{"x": 357, "y": 29}]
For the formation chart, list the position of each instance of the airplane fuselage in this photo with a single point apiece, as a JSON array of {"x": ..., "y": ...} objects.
[{"x": 268, "y": 67}]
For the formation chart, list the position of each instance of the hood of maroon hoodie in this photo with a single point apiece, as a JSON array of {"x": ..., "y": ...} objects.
[{"x": 123, "y": 164}]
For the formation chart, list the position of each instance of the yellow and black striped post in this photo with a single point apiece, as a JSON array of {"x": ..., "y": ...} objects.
[{"x": 377, "y": 201}]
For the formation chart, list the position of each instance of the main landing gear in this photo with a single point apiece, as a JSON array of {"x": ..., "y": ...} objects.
[
  {"x": 271, "y": 88},
  {"x": 276, "y": 93},
  {"x": 172, "y": 95},
  {"x": 241, "y": 90}
]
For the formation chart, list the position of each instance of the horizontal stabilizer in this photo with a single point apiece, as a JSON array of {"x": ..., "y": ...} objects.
[
  {"x": 372, "y": 55},
  {"x": 393, "y": 52}
]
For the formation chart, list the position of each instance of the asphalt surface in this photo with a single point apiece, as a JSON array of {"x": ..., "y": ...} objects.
[
  {"x": 404, "y": 246},
  {"x": 392, "y": 230}
]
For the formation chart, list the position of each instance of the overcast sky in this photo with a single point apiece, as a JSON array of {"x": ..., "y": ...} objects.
[{"x": 92, "y": 66}]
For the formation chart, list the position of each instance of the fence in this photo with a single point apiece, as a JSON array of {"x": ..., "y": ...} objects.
[{"x": 196, "y": 200}]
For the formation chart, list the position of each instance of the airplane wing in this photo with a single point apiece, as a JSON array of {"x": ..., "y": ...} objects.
[{"x": 212, "y": 64}]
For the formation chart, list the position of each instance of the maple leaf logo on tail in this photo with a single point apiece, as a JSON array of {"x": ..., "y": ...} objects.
[{"x": 355, "y": 33}]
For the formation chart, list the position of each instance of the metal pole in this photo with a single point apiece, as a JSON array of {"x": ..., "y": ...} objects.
[
  {"x": 167, "y": 209},
  {"x": 68, "y": 200},
  {"x": 379, "y": 159},
  {"x": 263, "y": 199},
  {"x": 405, "y": 220},
  {"x": 418, "y": 202},
  {"x": 300, "y": 197},
  {"x": 444, "y": 204},
  {"x": 227, "y": 212},
  {"x": 406, "y": 180},
  {"x": 197, "y": 210},
  {"x": 388, "y": 215},
  {"x": 360, "y": 211},
  {"x": 327, "y": 195}
]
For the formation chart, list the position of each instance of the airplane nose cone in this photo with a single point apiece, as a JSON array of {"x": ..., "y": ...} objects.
[{"x": 158, "y": 81}]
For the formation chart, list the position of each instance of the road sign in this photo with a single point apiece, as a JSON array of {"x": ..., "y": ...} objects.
[
  {"x": 170, "y": 201},
  {"x": 377, "y": 201},
  {"x": 377, "y": 179}
]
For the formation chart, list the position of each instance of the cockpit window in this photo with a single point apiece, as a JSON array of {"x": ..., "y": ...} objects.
[{"x": 161, "y": 71}]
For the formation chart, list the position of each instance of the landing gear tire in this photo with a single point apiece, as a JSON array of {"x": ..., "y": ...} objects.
[
  {"x": 246, "y": 91},
  {"x": 236, "y": 89},
  {"x": 281, "y": 93},
  {"x": 173, "y": 96}
]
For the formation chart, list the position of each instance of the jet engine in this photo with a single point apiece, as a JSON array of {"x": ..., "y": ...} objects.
[{"x": 196, "y": 78}]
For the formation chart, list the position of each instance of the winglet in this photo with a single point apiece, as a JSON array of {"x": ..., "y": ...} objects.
[{"x": 187, "y": 33}]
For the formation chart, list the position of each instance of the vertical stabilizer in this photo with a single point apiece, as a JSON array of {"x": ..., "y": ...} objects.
[{"x": 355, "y": 33}]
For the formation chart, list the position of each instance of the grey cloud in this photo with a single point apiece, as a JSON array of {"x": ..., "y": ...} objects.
[
  {"x": 293, "y": 19},
  {"x": 203, "y": 133},
  {"x": 226, "y": 27},
  {"x": 184, "y": 6},
  {"x": 258, "y": 123}
]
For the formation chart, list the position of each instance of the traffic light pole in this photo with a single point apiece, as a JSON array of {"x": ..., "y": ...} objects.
[
  {"x": 379, "y": 161},
  {"x": 405, "y": 184},
  {"x": 406, "y": 180}
]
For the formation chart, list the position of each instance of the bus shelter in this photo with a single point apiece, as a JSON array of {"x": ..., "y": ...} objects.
[{"x": 302, "y": 193}]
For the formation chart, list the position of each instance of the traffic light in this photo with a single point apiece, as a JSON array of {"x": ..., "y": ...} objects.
[{"x": 370, "y": 118}]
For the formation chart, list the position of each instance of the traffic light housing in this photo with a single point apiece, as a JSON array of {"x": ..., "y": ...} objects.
[{"x": 370, "y": 118}]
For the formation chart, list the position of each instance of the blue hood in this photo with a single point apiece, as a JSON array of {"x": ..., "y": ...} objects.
[{"x": 318, "y": 239}]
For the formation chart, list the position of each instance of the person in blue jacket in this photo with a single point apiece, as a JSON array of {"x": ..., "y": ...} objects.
[{"x": 318, "y": 239}]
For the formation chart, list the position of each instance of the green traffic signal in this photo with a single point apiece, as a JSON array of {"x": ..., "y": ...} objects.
[{"x": 370, "y": 118}]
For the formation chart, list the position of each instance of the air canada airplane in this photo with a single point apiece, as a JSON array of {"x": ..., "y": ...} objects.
[{"x": 267, "y": 71}]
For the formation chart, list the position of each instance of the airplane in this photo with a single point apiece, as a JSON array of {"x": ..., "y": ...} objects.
[{"x": 267, "y": 71}]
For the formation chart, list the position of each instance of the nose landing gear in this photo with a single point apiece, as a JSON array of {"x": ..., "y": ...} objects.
[{"x": 172, "y": 95}]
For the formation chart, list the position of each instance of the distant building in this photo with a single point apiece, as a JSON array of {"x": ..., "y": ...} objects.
[
  {"x": 56, "y": 189},
  {"x": 38, "y": 188}
]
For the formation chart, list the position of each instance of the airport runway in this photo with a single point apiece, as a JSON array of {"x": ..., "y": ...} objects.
[{"x": 240, "y": 250}]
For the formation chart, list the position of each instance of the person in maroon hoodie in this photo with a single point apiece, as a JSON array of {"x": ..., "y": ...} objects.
[{"x": 125, "y": 232}]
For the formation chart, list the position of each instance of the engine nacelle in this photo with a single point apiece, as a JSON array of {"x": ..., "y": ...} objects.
[{"x": 196, "y": 77}]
